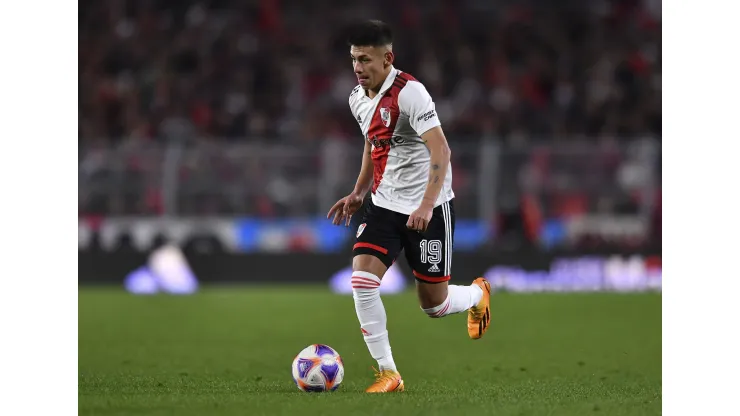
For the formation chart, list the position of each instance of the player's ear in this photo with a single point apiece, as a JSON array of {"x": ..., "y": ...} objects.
[{"x": 389, "y": 58}]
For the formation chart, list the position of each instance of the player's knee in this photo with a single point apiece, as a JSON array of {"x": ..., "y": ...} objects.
[
  {"x": 365, "y": 286},
  {"x": 368, "y": 264}
]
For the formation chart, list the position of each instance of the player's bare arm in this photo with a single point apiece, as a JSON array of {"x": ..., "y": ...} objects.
[
  {"x": 347, "y": 206},
  {"x": 439, "y": 161},
  {"x": 365, "y": 178}
]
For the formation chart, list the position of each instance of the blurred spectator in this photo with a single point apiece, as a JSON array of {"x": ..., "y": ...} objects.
[
  {"x": 569, "y": 87},
  {"x": 269, "y": 69}
]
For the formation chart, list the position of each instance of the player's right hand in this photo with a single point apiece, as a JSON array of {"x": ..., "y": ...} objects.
[{"x": 344, "y": 208}]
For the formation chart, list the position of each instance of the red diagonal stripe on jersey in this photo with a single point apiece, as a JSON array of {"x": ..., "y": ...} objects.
[
  {"x": 406, "y": 77},
  {"x": 380, "y": 135},
  {"x": 380, "y": 159}
]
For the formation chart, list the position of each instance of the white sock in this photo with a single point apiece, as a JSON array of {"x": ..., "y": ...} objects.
[
  {"x": 459, "y": 299},
  {"x": 371, "y": 314}
]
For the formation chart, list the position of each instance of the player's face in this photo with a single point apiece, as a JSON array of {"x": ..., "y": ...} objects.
[{"x": 370, "y": 64}]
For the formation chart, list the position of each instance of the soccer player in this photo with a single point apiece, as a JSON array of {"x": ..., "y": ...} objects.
[{"x": 406, "y": 165}]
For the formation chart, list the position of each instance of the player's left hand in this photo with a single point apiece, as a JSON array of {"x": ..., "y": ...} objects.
[
  {"x": 345, "y": 208},
  {"x": 419, "y": 219}
]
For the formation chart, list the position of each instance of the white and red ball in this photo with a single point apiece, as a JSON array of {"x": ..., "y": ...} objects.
[{"x": 318, "y": 368}]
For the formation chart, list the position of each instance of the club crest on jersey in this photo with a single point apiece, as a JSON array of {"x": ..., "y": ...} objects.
[
  {"x": 385, "y": 116},
  {"x": 360, "y": 229}
]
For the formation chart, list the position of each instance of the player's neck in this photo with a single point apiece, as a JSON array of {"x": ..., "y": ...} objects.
[{"x": 372, "y": 92}]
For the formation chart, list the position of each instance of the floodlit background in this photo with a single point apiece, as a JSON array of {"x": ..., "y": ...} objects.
[{"x": 224, "y": 126}]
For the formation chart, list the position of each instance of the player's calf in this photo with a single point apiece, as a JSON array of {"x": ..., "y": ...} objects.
[{"x": 456, "y": 298}]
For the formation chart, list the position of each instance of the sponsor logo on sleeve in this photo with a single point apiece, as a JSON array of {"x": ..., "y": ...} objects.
[{"x": 427, "y": 116}]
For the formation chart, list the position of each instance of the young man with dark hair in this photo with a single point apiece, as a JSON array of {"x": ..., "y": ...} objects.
[{"x": 406, "y": 165}]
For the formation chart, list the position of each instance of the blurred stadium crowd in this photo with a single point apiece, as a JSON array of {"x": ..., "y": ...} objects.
[
  {"x": 520, "y": 70},
  {"x": 537, "y": 76}
]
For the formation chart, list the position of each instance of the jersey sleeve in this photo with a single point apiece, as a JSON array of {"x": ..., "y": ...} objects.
[
  {"x": 417, "y": 104},
  {"x": 352, "y": 98}
]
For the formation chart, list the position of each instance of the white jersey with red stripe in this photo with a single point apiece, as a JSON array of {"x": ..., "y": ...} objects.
[{"x": 393, "y": 122}]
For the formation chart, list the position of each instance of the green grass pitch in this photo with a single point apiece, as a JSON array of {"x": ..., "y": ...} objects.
[{"x": 228, "y": 351}]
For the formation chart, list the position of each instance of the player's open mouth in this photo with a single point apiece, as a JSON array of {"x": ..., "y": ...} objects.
[{"x": 362, "y": 80}]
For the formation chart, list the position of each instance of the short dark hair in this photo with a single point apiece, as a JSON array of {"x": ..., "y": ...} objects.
[{"x": 369, "y": 33}]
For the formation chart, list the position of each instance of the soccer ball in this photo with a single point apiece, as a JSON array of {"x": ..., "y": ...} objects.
[{"x": 318, "y": 368}]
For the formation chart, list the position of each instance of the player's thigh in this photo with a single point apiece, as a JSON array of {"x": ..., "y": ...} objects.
[
  {"x": 377, "y": 241},
  {"x": 430, "y": 255}
]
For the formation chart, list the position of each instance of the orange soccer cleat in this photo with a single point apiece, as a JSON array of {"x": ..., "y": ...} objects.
[
  {"x": 386, "y": 381},
  {"x": 479, "y": 316}
]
